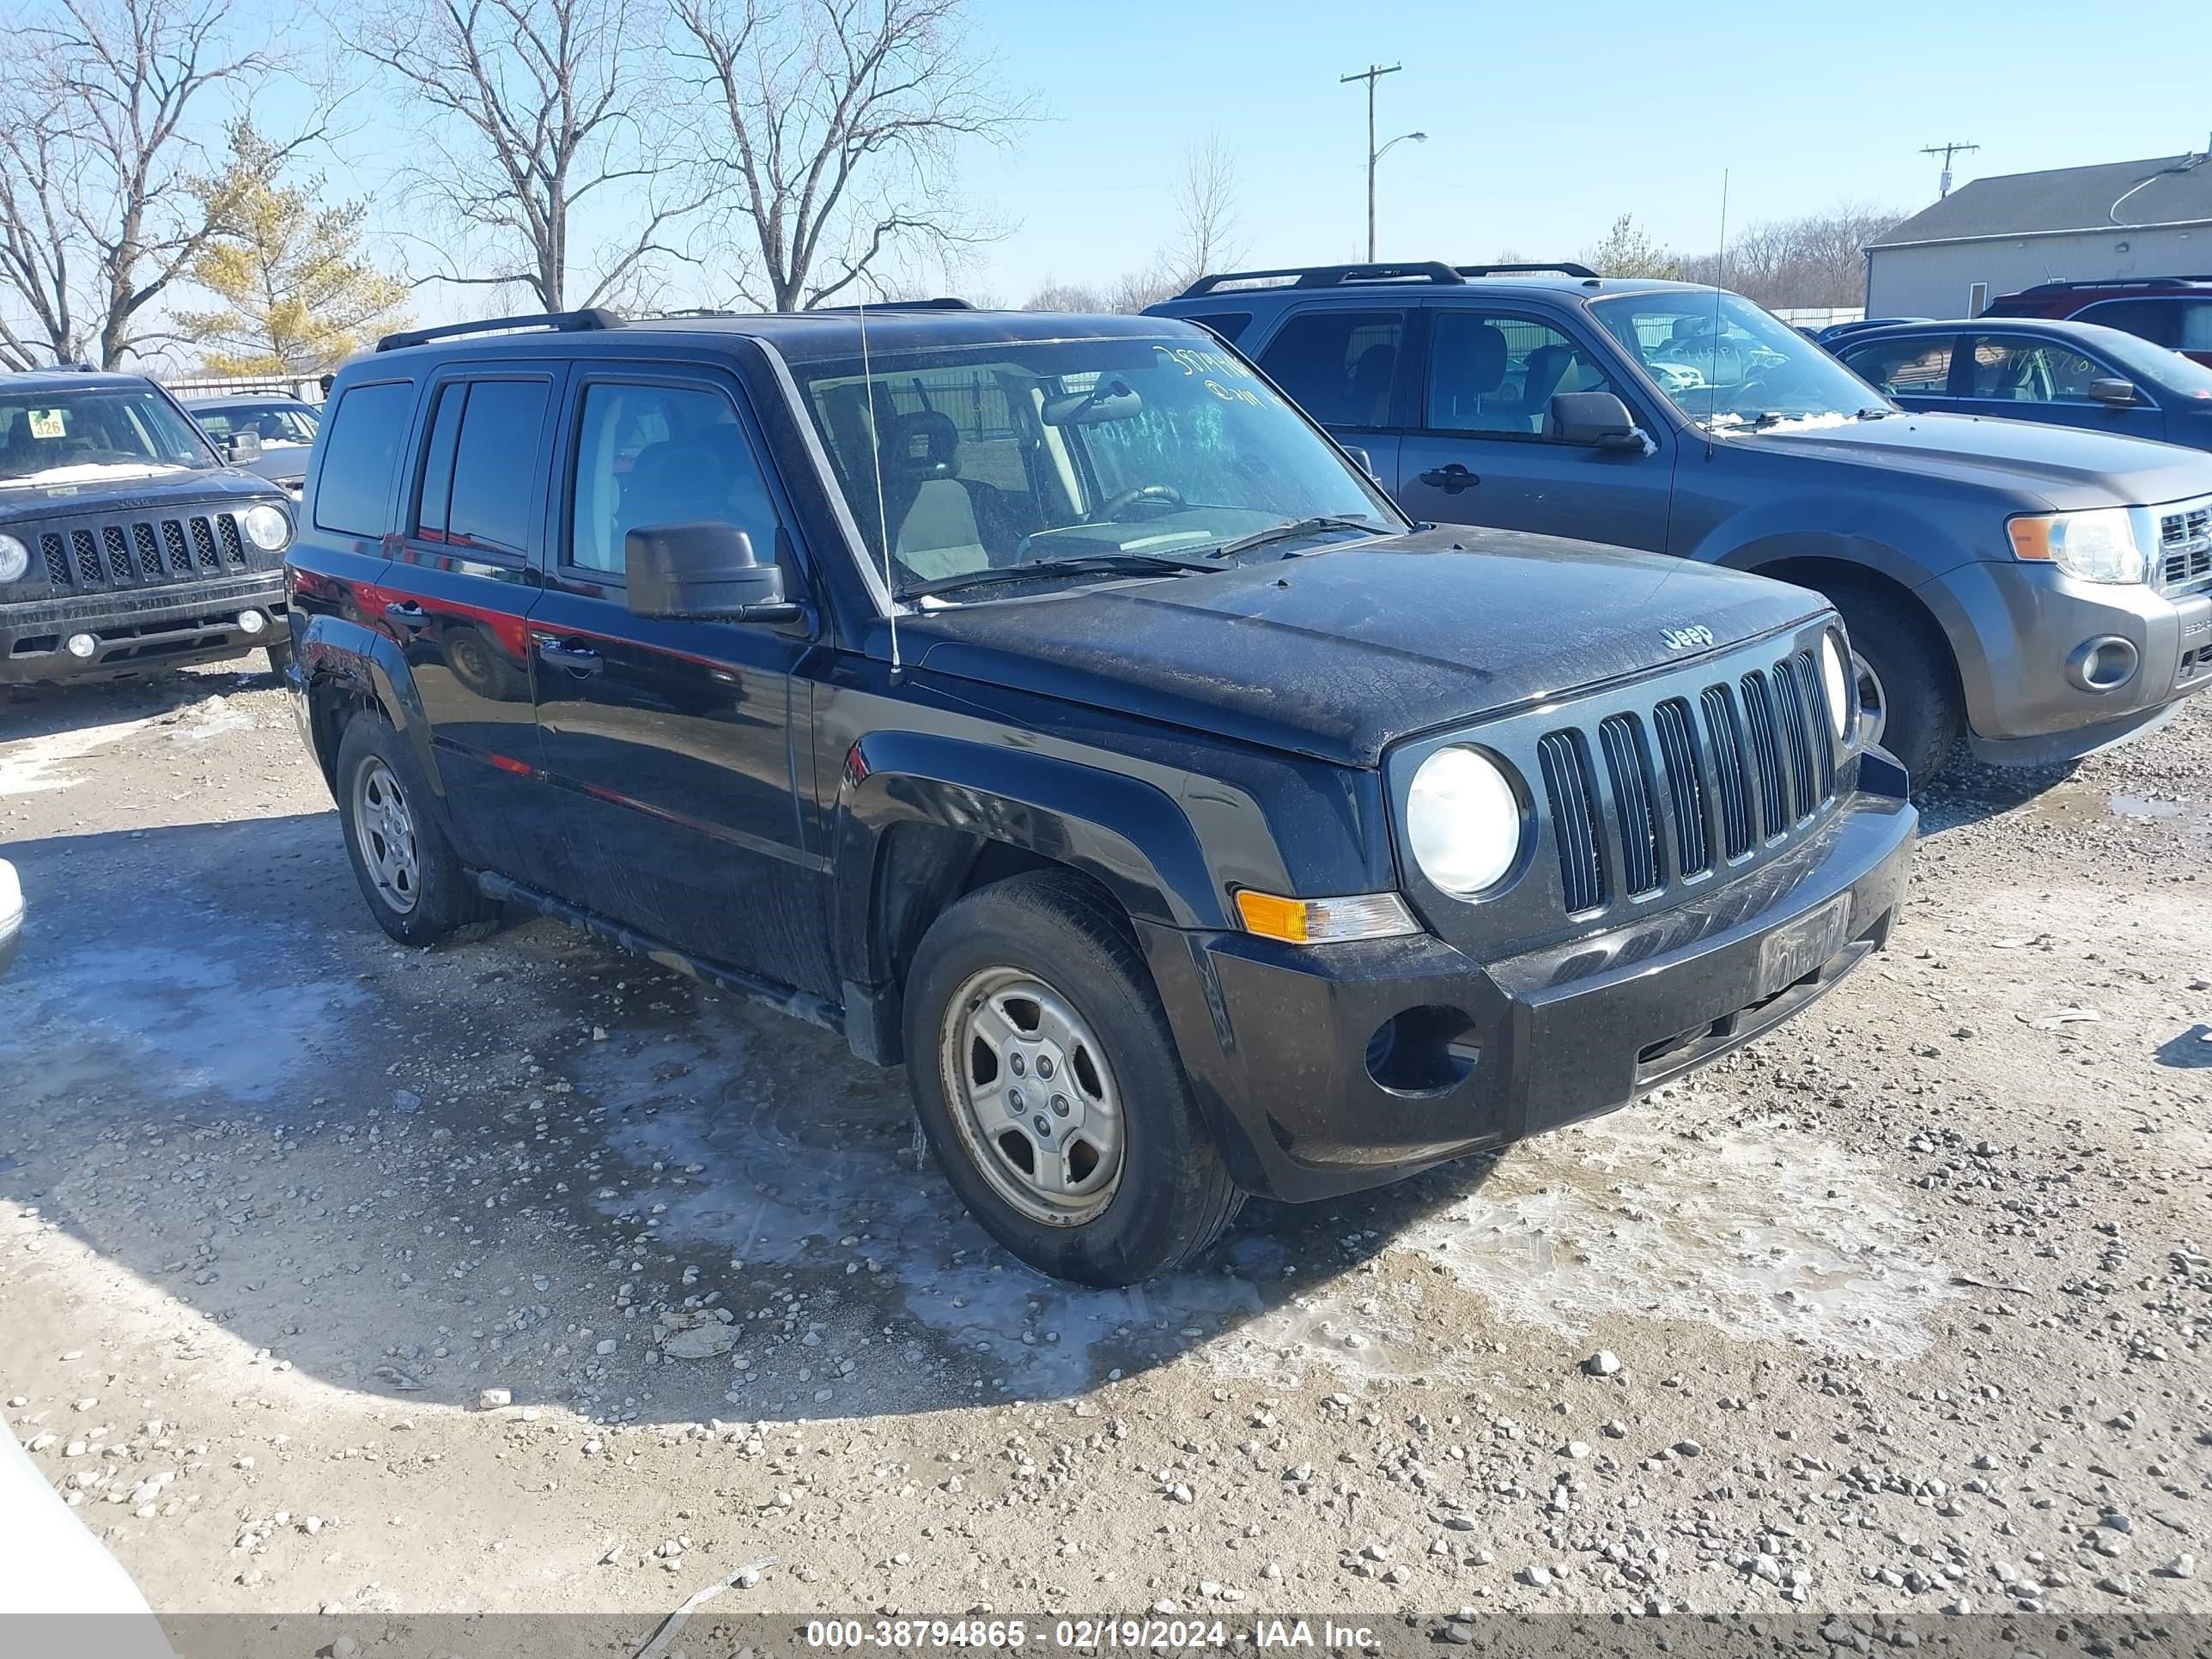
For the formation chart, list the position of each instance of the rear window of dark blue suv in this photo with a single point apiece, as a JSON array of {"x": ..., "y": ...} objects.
[{"x": 360, "y": 451}]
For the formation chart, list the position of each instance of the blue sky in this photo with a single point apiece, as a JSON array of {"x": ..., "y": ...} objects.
[{"x": 1545, "y": 122}]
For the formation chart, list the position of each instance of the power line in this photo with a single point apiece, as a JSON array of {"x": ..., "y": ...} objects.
[{"x": 1947, "y": 151}]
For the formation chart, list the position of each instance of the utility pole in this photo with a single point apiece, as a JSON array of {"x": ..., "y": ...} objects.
[
  {"x": 1947, "y": 151},
  {"x": 1371, "y": 74}
]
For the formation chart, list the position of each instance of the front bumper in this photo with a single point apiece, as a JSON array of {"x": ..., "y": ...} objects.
[
  {"x": 1280, "y": 1041},
  {"x": 137, "y": 630},
  {"x": 2024, "y": 632}
]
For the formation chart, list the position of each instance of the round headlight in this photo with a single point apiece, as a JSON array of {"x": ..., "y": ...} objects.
[
  {"x": 1836, "y": 681},
  {"x": 266, "y": 527},
  {"x": 1463, "y": 821},
  {"x": 15, "y": 559}
]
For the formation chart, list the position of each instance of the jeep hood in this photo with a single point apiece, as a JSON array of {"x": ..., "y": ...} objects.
[
  {"x": 222, "y": 490},
  {"x": 2057, "y": 467},
  {"x": 1339, "y": 653}
]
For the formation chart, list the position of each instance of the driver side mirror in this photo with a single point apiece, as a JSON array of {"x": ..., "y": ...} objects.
[
  {"x": 242, "y": 446},
  {"x": 1363, "y": 460},
  {"x": 706, "y": 572},
  {"x": 2113, "y": 392},
  {"x": 1596, "y": 420}
]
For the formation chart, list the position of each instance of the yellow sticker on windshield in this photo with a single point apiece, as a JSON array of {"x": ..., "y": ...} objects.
[{"x": 45, "y": 422}]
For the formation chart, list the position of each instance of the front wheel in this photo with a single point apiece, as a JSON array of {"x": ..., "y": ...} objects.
[
  {"x": 1050, "y": 1089},
  {"x": 1908, "y": 694},
  {"x": 279, "y": 651}
]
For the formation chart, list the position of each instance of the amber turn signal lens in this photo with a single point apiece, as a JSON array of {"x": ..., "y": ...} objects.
[{"x": 1323, "y": 921}]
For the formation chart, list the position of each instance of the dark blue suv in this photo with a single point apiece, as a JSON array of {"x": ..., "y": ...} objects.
[{"x": 2035, "y": 592}]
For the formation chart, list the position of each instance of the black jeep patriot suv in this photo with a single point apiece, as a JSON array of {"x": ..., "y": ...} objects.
[
  {"x": 126, "y": 542},
  {"x": 1045, "y": 702}
]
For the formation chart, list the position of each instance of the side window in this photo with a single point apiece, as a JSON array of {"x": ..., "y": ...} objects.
[
  {"x": 496, "y": 479},
  {"x": 436, "y": 491},
  {"x": 1339, "y": 366},
  {"x": 1490, "y": 371},
  {"x": 1915, "y": 367},
  {"x": 2146, "y": 319},
  {"x": 2023, "y": 371},
  {"x": 2195, "y": 333},
  {"x": 361, "y": 455},
  {"x": 660, "y": 454}
]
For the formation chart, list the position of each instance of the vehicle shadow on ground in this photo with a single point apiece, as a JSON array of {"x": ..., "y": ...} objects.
[
  {"x": 45, "y": 711},
  {"x": 422, "y": 1174},
  {"x": 1966, "y": 792}
]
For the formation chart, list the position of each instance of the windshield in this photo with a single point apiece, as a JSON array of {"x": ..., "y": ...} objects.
[
  {"x": 279, "y": 425},
  {"x": 998, "y": 455},
  {"x": 58, "y": 437},
  {"x": 2169, "y": 371},
  {"x": 1727, "y": 365}
]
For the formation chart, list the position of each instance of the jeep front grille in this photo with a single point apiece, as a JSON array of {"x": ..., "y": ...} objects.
[
  {"x": 1752, "y": 767},
  {"x": 2185, "y": 545},
  {"x": 102, "y": 556}
]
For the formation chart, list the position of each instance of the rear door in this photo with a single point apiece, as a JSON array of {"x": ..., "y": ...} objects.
[
  {"x": 1914, "y": 369},
  {"x": 1483, "y": 450},
  {"x": 676, "y": 742},
  {"x": 1346, "y": 366},
  {"x": 2022, "y": 378},
  {"x": 458, "y": 595}
]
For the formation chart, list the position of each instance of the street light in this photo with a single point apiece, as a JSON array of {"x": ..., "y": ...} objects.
[
  {"x": 1418, "y": 138},
  {"x": 1370, "y": 75}
]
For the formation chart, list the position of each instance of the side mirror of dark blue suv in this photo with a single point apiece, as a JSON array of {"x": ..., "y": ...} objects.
[
  {"x": 1597, "y": 420},
  {"x": 705, "y": 571}
]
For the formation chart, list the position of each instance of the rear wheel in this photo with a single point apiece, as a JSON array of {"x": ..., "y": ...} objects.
[
  {"x": 1908, "y": 693},
  {"x": 413, "y": 880},
  {"x": 1050, "y": 1089}
]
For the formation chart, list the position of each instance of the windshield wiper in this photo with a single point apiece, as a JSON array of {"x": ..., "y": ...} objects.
[
  {"x": 1081, "y": 564},
  {"x": 1295, "y": 527},
  {"x": 1874, "y": 414}
]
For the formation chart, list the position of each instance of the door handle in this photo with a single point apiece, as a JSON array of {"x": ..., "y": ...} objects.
[
  {"x": 1450, "y": 479},
  {"x": 409, "y": 615},
  {"x": 579, "y": 659}
]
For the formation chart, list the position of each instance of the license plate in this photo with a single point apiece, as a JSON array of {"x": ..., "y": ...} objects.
[{"x": 1796, "y": 948}]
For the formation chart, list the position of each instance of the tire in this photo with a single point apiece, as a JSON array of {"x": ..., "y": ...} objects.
[
  {"x": 415, "y": 883},
  {"x": 1921, "y": 711},
  {"x": 1097, "y": 1068},
  {"x": 280, "y": 656}
]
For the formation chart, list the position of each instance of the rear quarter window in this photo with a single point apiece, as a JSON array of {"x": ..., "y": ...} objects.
[{"x": 361, "y": 455}]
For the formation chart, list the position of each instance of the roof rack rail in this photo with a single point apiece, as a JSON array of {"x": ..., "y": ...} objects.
[
  {"x": 942, "y": 302},
  {"x": 2062, "y": 286},
  {"x": 561, "y": 322},
  {"x": 1426, "y": 271},
  {"x": 1564, "y": 267}
]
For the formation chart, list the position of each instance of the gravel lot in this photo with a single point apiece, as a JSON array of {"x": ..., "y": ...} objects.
[{"x": 1903, "y": 1309}]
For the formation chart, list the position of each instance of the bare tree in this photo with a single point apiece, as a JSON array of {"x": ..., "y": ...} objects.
[
  {"x": 539, "y": 107},
  {"x": 98, "y": 146},
  {"x": 842, "y": 118},
  {"x": 1817, "y": 260},
  {"x": 1206, "y": 212}
]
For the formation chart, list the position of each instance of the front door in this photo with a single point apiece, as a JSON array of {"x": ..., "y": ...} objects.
[
  {"x": 679, "y": 742},
  {"x": 2022, "y": 377},
  {"x": 1484, "y": 452},
  {"x": 457, "y": 597}
]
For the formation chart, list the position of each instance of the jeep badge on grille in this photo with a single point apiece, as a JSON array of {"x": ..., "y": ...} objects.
[{"x": 1682, "y": 639}]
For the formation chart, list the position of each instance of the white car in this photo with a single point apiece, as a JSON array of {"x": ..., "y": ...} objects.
[
  {"x": 11, "y": 915},
  {"x": 58, "y": 1573}
]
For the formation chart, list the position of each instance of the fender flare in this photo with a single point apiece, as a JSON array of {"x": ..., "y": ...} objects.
[
  {"x": 1126, "y": 833},
  {"x": 335, "y": 653}
]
